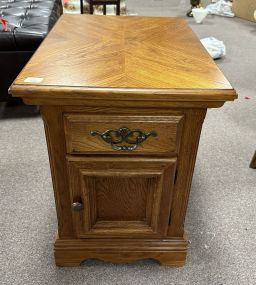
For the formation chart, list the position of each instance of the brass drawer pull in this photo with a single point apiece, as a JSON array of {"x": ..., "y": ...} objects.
[{"x": 119, "y": 138}]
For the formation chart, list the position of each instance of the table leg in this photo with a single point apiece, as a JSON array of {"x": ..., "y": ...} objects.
[
  {"x": 118, "y": 8},
  {"x": 253, "y": 162},
  {"x": 104, "y": 9},
  {"x": 194, "y": 4},
  {"x": 2, "y": 108},
  {"x": 91, "y": 7},
  {"x": 81, "y": 6}
]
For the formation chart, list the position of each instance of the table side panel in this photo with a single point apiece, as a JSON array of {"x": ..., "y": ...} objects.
[
  {"x": 53, "y": 122},
  {"x": 186, "y": 163}
]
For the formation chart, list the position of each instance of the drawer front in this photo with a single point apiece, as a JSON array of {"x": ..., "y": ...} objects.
[{"x": 123, "y": 134}]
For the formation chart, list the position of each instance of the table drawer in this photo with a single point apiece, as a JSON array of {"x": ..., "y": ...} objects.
[{"x": 122, "y": 134}]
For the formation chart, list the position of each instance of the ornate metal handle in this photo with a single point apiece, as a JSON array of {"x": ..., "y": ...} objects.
[
  {"x": 76, "y": 206},
  {"x": 124, "y": 139}
]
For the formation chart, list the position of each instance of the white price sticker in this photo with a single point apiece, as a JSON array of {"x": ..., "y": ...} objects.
[{"x": 33, "y": 80}]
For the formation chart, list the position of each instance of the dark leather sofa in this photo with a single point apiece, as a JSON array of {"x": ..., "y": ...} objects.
[{"x": 29, "y": 21}]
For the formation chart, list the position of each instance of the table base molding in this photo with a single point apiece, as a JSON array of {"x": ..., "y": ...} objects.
[{"x": 72, "y": 252}]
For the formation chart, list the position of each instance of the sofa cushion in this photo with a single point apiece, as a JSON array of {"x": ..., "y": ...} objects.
[{"x": 29, "y": 21}]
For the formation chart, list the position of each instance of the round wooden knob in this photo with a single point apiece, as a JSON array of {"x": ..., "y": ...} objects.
[{"x": 76, "y": 206}]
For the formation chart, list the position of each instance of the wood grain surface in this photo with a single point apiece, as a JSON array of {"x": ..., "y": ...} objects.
[
  {"x": 121, "y": 196},
  {"x": 101, "y": 73},
  {"x": 152, "y": 200},
  {"x": 95, "y": 55},
  {"x": 55, "y": 137},
  {"x": 170, "y": 252},
  {"x": 130, "y": 194},
  {"x": 78, "y": 129}
]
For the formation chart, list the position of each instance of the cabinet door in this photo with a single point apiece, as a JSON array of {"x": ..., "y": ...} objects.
[{"x": 121, "y": 196}]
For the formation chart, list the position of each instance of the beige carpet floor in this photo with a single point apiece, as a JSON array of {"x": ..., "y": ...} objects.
[{"x": 221, "y": 219}]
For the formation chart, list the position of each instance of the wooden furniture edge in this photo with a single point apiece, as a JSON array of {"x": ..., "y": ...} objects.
[
  {"x": 55, "y": 138},
  {"x": 124, "y": 104},
  {"x": 185, "y": 169},
  {"x": 127, "y": 94},
  {"x": 71, "y": 252}
]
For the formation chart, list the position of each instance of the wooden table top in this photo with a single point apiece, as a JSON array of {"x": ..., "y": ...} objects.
[{"x": 123, "y": 55}]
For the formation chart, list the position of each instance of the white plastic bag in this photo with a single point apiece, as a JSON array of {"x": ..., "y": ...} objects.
[
  {"x": 215, "y": 47},
  {"x": 221, "y": 8}
]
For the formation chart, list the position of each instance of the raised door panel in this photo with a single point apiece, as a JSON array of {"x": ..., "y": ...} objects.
[{"x": 121, "y": 197}]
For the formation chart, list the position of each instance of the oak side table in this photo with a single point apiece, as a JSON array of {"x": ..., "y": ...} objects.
[{"x": 123, "y": 101}]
